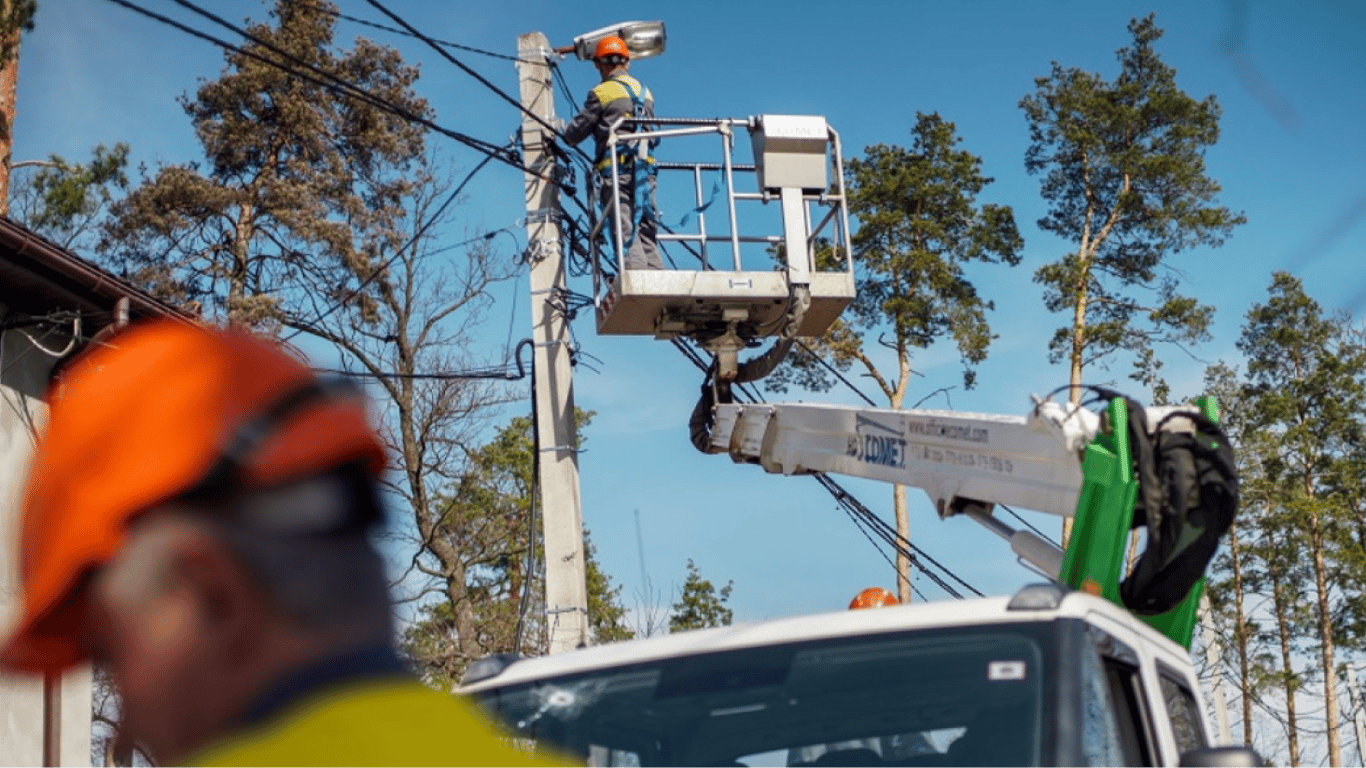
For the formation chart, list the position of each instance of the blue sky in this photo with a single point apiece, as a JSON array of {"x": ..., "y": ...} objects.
[{"x": 1291, "y": 78}]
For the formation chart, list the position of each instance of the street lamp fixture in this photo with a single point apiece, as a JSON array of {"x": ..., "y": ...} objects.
[{"x": 643, "y": 39}]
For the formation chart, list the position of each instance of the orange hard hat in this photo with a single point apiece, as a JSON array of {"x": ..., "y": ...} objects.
[
  {"x": 611, "y": 46},
  {"x": 873, "y": 597},
  {"x": 141, "y": 421}
]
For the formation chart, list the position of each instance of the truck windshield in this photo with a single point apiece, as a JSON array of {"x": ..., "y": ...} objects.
[{"x": 931, "y": 697}]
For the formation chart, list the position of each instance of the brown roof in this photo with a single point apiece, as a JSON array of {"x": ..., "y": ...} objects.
[{"x": 38, "y": 276}]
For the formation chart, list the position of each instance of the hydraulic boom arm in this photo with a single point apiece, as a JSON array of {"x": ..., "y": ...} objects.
[
  {"x": 959, "y": 459},
  {"x": 1056, "y": 459}
]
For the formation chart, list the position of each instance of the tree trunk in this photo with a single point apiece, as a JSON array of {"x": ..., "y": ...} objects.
[
  {"x": 903, "y": 520},
  {"x": 1330, "y": 691},
  {"x": 1240, "y": 635},
  {"x": 1283, "y": 630},
  {"x": 9, "y": 93},
  {"x": 903, "y": 529},
  {"x": 241, "y": 261},
  {"x": 1078, "y": 352}
]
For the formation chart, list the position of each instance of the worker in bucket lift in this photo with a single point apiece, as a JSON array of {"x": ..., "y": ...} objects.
[
  {"x": 196, "y": 520},
  {"x": 632, "y": 204}
]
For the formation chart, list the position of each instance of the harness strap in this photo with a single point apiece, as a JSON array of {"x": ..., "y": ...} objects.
[{"x": 641, "y": 168}]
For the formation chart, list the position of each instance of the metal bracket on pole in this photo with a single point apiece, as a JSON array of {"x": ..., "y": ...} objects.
[
  {"x": 544, "y": 216},
  {"x": 540, "y": 249}
]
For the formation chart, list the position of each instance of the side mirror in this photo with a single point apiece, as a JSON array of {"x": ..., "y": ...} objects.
[{"x": 1223, "y": 757}]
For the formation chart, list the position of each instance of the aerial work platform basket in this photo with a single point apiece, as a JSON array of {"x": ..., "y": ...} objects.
[{"x": 796, "y": 281}]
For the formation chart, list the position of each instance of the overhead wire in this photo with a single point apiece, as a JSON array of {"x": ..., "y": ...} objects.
[
  {"x": 551, "y": 147},
  {"x": 889, "y": 534},
  {"x": 862, "y": 528},
  {"x": 838, "y": 374},
  {"x": 1028, "y": 525},
  {"x": 534, "y": 500},
  {"x": 467, "y": 70},
  {"x": 857, "y": 510},
  {"x": 395, "y": 30},
  {"x": 398, "y": 252},
  {"x": 347, "y": 87},
  {"x": 502, "y": 372},
  {"x": 502, "y": 154}
]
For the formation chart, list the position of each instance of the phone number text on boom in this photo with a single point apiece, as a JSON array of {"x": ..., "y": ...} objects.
[{"x": 962, "y": 459}]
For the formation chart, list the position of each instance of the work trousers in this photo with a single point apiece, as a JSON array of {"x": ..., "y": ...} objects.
[{"x": 643, "y": 250}]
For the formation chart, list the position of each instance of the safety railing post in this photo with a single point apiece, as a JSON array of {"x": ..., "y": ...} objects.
[
  {"x": 615, "y": 202},
  {"x": 843, "y": 203},
  {"x": 701, "y": 214},
  {"x": 728, "y": 142}
]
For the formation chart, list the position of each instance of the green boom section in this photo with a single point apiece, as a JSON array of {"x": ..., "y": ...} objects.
[{"x": 1094, "y": 560}]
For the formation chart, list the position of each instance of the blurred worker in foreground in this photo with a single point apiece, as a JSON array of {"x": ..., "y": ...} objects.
[
  {"x": 196, "y": 521},
  {"x": 632, "y": 203}
]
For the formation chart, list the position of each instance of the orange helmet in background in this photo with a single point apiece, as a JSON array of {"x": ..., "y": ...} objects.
[
  {"x": 611, "y": 45},
  {"x": 873, "y": 597},
  {"x": 168, "y": 409}
]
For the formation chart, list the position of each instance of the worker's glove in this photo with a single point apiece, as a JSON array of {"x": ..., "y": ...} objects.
[{"x": 558, "y": 124}]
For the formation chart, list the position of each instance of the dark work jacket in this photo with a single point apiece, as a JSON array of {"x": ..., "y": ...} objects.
[{"x": 607, "y": 101}]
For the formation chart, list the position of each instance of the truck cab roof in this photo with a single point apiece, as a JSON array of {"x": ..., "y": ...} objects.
[
  {"x": 1034, "y": 603},
  {"x": 1005, "y": 680}
]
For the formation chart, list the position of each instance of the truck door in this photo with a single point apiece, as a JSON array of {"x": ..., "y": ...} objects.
[
  {"x": 1117, "y": 679},
  {"x": 1183, "y": 709}
]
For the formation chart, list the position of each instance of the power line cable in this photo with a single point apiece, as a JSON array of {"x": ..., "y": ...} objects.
[
  {"x": 394, "y": 30},
  {"x": 839, "y": 375},
  {"x": 452, "y": 59},
  {"x": 450, "y": 199},
  {"x": 909, "y": 550},
  {"x": 564, "y": 84},
  {"x": 857, "y": 509},
  {"x": 862, "y": 528},
  {"x": 502, "y": 372},
  {"x": 525, "y": 599},
  {"x": 1027, "y": 524},
  {"x": 498, "y": 153},
  {"x": 348, "y": 88}
]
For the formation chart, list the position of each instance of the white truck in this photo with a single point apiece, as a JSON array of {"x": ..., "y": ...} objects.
[
  {"x": 1050, "y": 676},
  {"x": 1047, "y": 677}
]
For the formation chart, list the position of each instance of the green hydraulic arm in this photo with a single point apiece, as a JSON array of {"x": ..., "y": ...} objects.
[{"x": 1094, "y": 559}]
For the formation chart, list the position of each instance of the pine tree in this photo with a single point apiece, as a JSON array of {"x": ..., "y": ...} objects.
[
  {"x": 700, "y": 605},
  {"x": 919, "y": 227},
  {"x": 65, "y": 201},
  {"x": 1124, "y": 176},
  {"x": 1305, "y": 390},
  {"x": 300, "y": 187},
  {"x": 475, "y": 552}
]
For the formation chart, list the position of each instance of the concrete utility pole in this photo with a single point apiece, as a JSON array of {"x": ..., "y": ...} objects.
[{"x": 566, "y": 590}]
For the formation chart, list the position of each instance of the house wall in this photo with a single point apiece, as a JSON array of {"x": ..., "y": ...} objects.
[{"x": 24, "y": 370}]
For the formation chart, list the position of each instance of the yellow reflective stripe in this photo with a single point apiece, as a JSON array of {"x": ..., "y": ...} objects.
[
  {"x": 615, "y": 88},
  {"x": 610, "y": 91},
  {"x": 605, "y": 164}
]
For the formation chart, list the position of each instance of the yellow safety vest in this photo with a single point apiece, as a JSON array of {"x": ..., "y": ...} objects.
[{"x": 392, "y": 721}]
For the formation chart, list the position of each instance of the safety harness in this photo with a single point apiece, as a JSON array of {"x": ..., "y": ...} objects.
[{"x": 642, "y": 167}]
